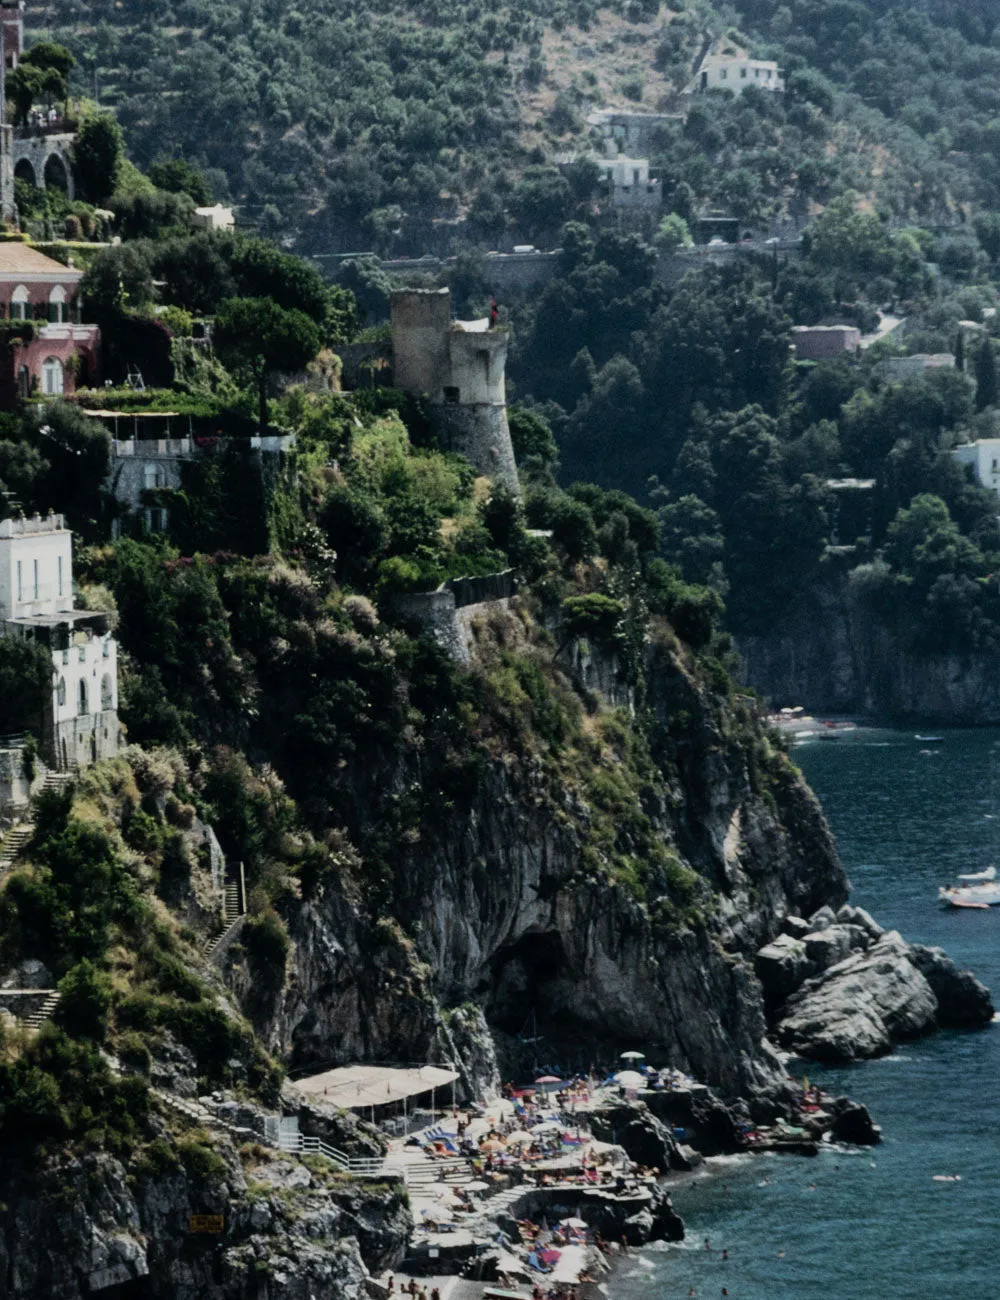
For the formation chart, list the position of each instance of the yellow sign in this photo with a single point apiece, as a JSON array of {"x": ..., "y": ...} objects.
[{"x": 207, "y": 1223}]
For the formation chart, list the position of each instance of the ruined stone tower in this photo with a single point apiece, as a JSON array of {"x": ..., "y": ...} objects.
[{"x": 459, "y": 367}]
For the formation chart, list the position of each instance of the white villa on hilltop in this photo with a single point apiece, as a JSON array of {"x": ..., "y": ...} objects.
[{"x": 80, "y": 716}]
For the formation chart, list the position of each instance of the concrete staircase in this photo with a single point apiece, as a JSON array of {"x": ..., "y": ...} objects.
[
  {"x": 45, "y": 1012},
  {"x": 57, "y": 782},
  {"x": 14, "y": 843},
  {"x": 232, "y": 915}
]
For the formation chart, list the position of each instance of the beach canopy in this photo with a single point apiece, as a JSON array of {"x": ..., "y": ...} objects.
[
  {"x": 491, "y": 1145},
  {"x": 633, "y": 1056},
  {"x": 520, "y": 1135},
  {"x": 630, "y": 1079},
  {"x": 549, "y": 1078},
  {"x": 574, "y": 1223},
  {"x": 359, "y": 1087},
  {"x": 547, "y": 1126}
]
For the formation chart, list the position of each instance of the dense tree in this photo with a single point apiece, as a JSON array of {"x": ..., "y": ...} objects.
[
  {"x": 97, "y": 157},
  {"x": 258, "y": 336}
]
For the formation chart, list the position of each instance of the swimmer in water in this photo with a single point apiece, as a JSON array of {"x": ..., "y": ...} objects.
[
  {"x": 708, "y": 1243},
  {"x": 725, "y": 1254},
  {"x": 781, "y": 1254}
]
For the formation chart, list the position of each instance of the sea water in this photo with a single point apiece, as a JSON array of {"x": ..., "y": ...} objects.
[{"x": 870, "y": 1224}]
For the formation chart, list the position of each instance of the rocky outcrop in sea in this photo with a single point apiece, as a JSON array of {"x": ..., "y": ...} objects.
[{"x": 840, "y": 988}]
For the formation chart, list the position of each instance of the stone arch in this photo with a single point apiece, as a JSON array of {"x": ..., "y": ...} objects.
[
  {"x": 56, "y": 173},
  {"x": 24, "y": 171}
]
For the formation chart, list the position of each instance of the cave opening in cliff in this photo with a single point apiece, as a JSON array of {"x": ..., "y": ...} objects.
[{"x": 526, "y": 975}]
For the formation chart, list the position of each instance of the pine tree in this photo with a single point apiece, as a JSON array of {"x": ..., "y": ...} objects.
[{"x": 986, "y": 376}]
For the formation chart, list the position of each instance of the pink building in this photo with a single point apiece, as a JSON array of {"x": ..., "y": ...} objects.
[
  {"x": 820, "y": 342},
  {"x": 64, "y": 354}
]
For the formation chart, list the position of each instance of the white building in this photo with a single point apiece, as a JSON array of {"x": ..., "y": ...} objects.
[
  {"x": 630, "y": 183},
  {"x": 213, "y": 218},
  {"x": 984, "y": 457},
  {"x": 736, "y": 72},
  {"x": 79, "y": 721}
]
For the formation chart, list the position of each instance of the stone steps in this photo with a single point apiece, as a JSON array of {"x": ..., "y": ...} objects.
[
  {"x": 45, "y": 1012},
  {"x": 14, "y": 843}
]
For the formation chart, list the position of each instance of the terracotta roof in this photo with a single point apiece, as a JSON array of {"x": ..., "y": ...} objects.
[{"x": 20, "y": 259}]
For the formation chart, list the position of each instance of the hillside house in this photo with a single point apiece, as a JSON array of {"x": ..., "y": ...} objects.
[
  {"x": 630, "y": 184},
  {"x": 735, "y": 72},
  {"x": 983, "y": 456},
  {"x": 820, "y": 342},
  {"x": 58, "y": 353},
  {"x": 79, "y": 716}
]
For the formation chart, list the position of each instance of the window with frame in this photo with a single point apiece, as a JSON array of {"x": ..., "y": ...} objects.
[{"x": 53, "y": 377}]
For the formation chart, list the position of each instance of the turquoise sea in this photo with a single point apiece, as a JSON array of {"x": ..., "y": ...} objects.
[{"x": 873, "y": 1225}]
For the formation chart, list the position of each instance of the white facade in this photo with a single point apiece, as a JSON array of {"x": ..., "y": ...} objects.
[
  {"x": 80, "y": 719},
  {"x": 36, "y": 567},
  {"x": 630, "y": 183},
  {"x": 214, "y": 218},
  {"x": 984, "y": 457},
  {"x": 736, "y": 73}
]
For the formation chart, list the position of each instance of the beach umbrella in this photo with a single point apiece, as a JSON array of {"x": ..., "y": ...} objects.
[
  {"x": 519, "y": 1135},
  {"x": 477, "y": 1186},
  {"x": 547, "y": 1126},
  {"x": 633, "y": 1056},
  {"x": 630, "y": 1079},
  {"x": 574, "y": 1223},
  {"x": 548, "y": 1080}
]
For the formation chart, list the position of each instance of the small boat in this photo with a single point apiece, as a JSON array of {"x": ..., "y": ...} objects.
[
  {"x": 975, "y": 896},
  {"x": 930, "y": 740}
]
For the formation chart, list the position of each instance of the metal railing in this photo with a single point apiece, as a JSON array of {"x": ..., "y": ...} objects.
[{"x": 357, "y": 1166}]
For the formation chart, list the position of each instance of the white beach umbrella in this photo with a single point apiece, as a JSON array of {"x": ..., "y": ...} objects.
[
  {"x": 630, "y": 1079},
  {"x": 633, "y": 1056}
]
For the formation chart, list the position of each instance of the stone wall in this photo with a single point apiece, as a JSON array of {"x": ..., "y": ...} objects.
[{"x": 481, "y": 434}]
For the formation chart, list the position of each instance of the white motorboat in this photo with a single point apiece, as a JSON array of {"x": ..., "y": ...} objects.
[{"x": 986, "y": 894}]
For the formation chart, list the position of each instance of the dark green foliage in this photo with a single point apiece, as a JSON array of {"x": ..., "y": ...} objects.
[
  {"x": 258, "y": 336},
  {"x": 596, "y": 616},
  {"x": 97, "y": 157},
  {"x": 266, "y": 942},
  {"x": 177, "y": 176},
  {"x": 86, "y": 1001},
  {"x": 25, "y": 682}
]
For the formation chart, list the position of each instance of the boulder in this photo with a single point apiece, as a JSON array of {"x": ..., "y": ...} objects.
[
  {"x": 823, "y": 917},
  {"x": 637, "y": 1130},
  {"x": 868, "y": 923},
  {"x": 796, "y": 926},
  {"x": 859, "y": 1007},
  {"x": 853, "y": 1124},
  {"x": 962, "y": 1000},
  {"x": 828, "y": 947},
  {"x": 782, "y": 966}
]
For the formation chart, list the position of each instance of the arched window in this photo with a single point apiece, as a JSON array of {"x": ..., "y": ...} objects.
[
  {"x": 83, "y": 707},
  {"x": 107, "y": 693},
  {"x": 19, "y": 301},
  {"x": 61, "y": 692},
  {"x": 58, "y": 308},
  {"x": 53, "y": 377}
]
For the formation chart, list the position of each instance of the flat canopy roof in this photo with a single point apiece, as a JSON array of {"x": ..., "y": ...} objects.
[
  {"x": 354, "y": 1086},
  {"x": 138, "y": 415}
]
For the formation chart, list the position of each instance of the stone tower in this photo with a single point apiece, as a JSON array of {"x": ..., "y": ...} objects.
[
  {"x": 459, "y": 366},
  {"x": 12, "y": 18}
]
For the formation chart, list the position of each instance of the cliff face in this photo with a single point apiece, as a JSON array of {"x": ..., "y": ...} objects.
[
  {"x": 496, "y": 908},
  {"x": 832, "y": 657},
  {"x": 91, "y": 1226}
]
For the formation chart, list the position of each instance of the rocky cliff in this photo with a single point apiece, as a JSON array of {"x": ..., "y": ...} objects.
[
  {"x": 498, "y": 905},
  {"x": 832, "y": 656}
]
